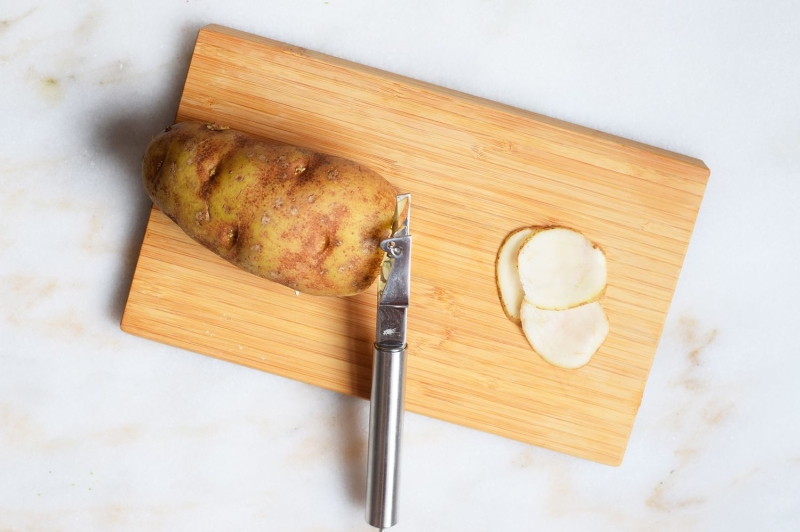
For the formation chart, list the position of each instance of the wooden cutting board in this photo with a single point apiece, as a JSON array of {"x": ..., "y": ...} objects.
[{"x": 476, "y": 170}]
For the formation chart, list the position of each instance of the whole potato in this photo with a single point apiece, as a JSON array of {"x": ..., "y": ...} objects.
[{"x": 310, "y": 221}]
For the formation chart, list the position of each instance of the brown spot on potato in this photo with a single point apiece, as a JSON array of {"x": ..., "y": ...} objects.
[
  {"x": 228, "y": 236},
  {"x": 326, "y": 243},
  {"x": 363, "y": 283},
  {"x": 265, "y": 219}
]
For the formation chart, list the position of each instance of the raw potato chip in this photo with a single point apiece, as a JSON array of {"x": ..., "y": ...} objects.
[
  {"x": 560, "y": 269},
  {"x": 509, "y": 287},
  {"x": 565, "y": 338}
]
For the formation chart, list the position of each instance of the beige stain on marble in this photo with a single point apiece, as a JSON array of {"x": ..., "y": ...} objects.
[
  {"x": 65, "y": 324},
  {"x": 18, "y": 199},
  {"x": 18, "y": 429},
  {"x": 70, "y": 69},
  {"x": 31, "y": 289},
  {"x": 6, "y": 242},
  {"x": 51, "y": 90},
  {"x": 8, "y": 23},
  {"x": 767, "y": 467},
  {"x": 92, "y": 516},
  {"x": 690, "y": 334},
  {"x": 561, "y": 492},
  {"x": 523, "y": 460},
  {"x": 197, "y": 432},
  {"x": 89, "y": 25},
  {"x": 22, "y": 47},
  {"x": 262, "y": 424},
  {"x": 565, "y": 499},
  {"x": 717, "y": 412},
  {"x": 12, "y": 200},
  {"x": 92, "y": 241},
  {"x": 744, "y": 477},
  {"x": 663, "y": 500},
  {"x": 29, "y": 293},
  {"x": 49, "y": 87},
  {"x": 120, "y": 71},
  {"x": 12, "y": 166},
  {"x": 703, "y": 410},
  {"x": 697, "y": 342},
  {"x": 319, "y": 448},
  {"x": 112, "y": 73},
  {"x": 665, "y": 504},
  {"x": 21, "y": 430}
]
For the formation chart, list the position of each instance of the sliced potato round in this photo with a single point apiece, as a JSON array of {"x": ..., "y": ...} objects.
[
  {"x": 509, "y": 287},
  {"x": 565, "y": 338},
  {"x": 560, "y": 269}
]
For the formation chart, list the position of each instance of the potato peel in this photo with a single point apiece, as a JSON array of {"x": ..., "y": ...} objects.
[{"x": 509, "y": 286}]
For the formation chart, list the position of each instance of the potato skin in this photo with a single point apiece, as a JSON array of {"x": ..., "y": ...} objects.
[{"x": 309, "y": 221}]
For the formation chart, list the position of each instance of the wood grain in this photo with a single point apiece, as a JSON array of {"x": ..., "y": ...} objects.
[{"x": 476, "y": 170}]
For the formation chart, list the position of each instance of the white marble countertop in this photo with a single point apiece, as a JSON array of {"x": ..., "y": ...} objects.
[{"x": 104, "y": 431}]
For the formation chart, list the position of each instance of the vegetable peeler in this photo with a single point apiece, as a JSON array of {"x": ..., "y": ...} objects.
[{"x": 388, "y": 372}]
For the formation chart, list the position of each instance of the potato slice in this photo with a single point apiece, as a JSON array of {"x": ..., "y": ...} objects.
[
  {"x": 509, "y": 287},
  {"x": 560, "y": 269},
  {"x": 565, "y": 338}
]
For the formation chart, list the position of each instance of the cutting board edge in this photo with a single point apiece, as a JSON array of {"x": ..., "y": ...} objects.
[
  {"x": 583, "y": 131},
  {"x": 605, "y": 459},
  {"x": 131, "y": 315}
]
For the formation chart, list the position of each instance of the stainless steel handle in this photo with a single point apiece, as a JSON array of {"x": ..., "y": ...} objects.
[{"x": 385, "y": 428}]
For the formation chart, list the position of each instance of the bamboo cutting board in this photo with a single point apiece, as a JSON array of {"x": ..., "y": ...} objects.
[{"x": 476, "y": 170}]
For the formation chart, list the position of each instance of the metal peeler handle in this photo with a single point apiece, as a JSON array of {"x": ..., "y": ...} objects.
[{"x": 385, "y": 428}]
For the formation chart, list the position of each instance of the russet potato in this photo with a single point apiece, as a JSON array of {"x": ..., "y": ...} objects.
[{"x": 310, "y": 221}]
